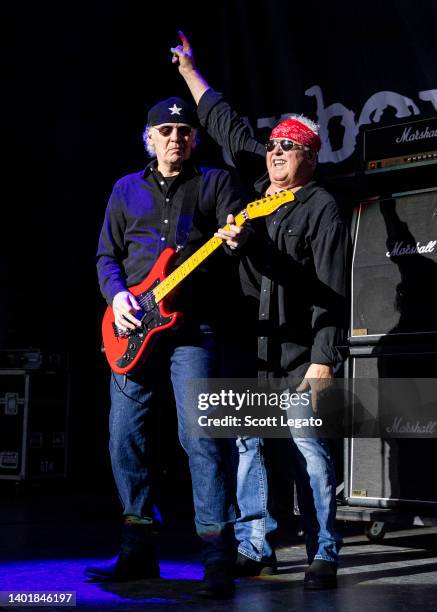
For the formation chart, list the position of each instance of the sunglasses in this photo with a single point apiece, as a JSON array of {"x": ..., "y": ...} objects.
[
  {"x": 285, "y": 144},
  {"x": 182, "y": 130}
]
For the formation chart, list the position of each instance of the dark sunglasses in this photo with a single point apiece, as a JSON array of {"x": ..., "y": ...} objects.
[
  {"x": 285, "y": 144},
  {"x": 183, "y": 130}
]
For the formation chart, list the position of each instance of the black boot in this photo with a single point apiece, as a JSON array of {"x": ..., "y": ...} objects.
[
  {"x": 137, "y": 558},
  {"x": 245, "y": 567},
  {"x": 320, "y": 575},
  {"x": 218, "y": 582}
]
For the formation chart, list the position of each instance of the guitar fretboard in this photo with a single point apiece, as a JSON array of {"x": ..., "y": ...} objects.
[
  {"x": 259, "y": 208},
  {"x": 178, "y": 275}
]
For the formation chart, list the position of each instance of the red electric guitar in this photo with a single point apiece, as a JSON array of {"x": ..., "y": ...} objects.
[{"x": 126, "y": 351}]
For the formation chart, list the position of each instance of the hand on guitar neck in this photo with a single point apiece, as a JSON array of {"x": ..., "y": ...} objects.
[{"x": 234, "y": 235}]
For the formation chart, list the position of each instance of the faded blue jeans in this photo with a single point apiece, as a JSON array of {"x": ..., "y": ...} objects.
[
  {"x": 316, "y": 490},
  {"x": 316, "y": 494},
  {"x": 183, "y": 356},
  {"x": 255, "y": 525}
]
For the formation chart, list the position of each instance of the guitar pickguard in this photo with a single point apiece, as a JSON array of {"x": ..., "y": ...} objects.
[{"x": 151, "y": 319}]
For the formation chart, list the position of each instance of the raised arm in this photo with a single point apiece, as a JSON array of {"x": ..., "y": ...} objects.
[
  {"x": 222, "y": 123},
  {"x": 184, "y": 58}
]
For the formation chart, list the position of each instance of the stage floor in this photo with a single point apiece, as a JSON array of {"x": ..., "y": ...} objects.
[{"x": 46, "y": 541}]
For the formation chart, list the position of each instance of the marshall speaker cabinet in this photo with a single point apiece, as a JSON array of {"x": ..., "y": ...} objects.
[
  {"x": 394, "y": 270},
  {"x": 395, "y": 470},
  {"x": 33, "y": 424}
]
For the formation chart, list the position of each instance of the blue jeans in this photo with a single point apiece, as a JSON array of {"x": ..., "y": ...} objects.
[
  {"x": 315, "y": 485},
  {"x": 255, "y": 525},
  {"x": 316, "y": 489},
  {"x": 185, "y": 356}
]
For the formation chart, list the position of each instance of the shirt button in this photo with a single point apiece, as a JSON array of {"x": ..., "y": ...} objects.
[
  {"x": 167, "y": 199},
  {"x": 161, "y": 182},
  {"x": 165, "y": 220}
]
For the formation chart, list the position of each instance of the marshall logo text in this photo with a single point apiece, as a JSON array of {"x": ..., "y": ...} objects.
[
  {"x": 408, "y": 135},
  {"x": 399, "y": 425},
  {"x": 404, "y": 248}
]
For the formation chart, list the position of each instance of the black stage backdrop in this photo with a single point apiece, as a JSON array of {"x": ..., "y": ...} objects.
[{"x": 79, "y": 77}]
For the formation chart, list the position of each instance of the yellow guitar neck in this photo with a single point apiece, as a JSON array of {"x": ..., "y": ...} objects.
[
  {"x": 258, "y": 208},
  {"x": 176, "y": 277}
]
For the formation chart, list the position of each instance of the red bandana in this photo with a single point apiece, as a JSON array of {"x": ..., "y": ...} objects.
[{"x": 297, "y": 132}]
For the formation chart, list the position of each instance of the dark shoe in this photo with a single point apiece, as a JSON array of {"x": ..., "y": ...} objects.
[
  {"x": 320, "y": 575},
  {"x": 218, "y": 582},
  {"x": 245, "y": 567},
  {"x": 136, "y": 560},
  {"x": 123, "y": 568}
]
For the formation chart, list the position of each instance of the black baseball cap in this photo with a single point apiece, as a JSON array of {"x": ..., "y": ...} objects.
[{"x": 173, "y": 110}]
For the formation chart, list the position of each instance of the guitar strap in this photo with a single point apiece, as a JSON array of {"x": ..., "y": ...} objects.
[{"x": 189, "y": 202}]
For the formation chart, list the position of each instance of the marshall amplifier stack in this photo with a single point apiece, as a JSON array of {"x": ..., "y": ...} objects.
[
  {"x": 34, "y": 394},
  {"x": 393, "y": 325}
]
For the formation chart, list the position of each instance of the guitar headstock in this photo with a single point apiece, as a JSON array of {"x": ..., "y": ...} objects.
[{"x": 266, "y": 206}]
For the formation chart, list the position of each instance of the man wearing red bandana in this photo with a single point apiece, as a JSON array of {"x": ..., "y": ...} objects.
[{"x": 295, "y": 268}]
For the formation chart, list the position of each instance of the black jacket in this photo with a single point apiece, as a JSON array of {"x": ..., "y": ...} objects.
[{"x": 296, "y": 263}]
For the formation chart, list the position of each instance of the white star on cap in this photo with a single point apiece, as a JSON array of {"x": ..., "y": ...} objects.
[{"x": 175, "y": 110}]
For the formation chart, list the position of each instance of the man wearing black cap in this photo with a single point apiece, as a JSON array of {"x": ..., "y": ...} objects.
[{"x": 172, "y": 203}]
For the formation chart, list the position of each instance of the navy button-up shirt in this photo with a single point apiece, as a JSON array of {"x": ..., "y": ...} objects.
[{"x": 144, "y": 216}]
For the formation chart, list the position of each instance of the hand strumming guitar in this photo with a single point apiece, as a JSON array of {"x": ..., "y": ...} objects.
[{"x": 124, "y": 306}]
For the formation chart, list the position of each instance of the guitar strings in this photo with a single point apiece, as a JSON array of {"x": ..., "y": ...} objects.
[{"x": 149, "y": 295}]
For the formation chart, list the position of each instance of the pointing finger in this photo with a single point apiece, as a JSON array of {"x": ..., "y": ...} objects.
[{"x": 184, "y": 41}]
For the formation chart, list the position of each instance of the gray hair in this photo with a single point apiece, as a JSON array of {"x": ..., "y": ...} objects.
[
  {"x": 147, "y": 144},
  {"x": 314, "y": 127}
]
